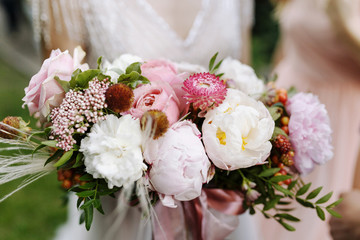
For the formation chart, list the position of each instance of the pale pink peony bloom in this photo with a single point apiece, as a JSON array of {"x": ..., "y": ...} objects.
[
  {"x": 310, "y": 131},
  {"x": 178, "y": 163},
  {"x": 163, "y": 71},
  {"x": 156, "y": 96},
  {"x": 43, "y": 92}
]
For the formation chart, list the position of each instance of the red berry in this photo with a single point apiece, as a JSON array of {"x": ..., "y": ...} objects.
[
  {"x": 288, "y": 158},
  {"x": 283, "y": 98},
  {"x": 283, "y": 171},
  {"x": 275, "y": 159},
  {"x": 280, "y": 165},
  {"x": 282, "y": 143},
  {"x": 66, "y": 184},
  {"x": 77, "y": 178},
  {"x": 60, "y": 175},
  {"x": 67, "y": 173},
  {"x": 287, "y": 181},
  {"x": 285, "y": 129}
]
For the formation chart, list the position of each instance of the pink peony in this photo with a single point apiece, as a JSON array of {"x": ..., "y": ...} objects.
[
  {"x": 156, "y": 96},
  {"x": 162, "y": 71},
  {"x": 310, "y": 131},
  {"x": 43, "y": 92},
  {"x": 179, "y": 165}
]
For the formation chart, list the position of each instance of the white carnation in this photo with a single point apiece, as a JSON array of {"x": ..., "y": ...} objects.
[
  {"x": 119, "y": 65},
  {"x": 236, "y": 134},
  {"x": 112, "y": 150},
  {"x": 241, "y": 77}
]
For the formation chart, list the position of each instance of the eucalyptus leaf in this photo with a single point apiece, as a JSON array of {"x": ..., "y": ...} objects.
[
  {"x": 333, "y": 213},
  {"x": 269, "y": 172},
  {"x": 334, "y": 204},
  {"x": 287, "y": 217},
  {"x": 65, "y": 157},
  {"x": 88, "y": 193},
  {"x": 283, "y": 190},
  {"x": 305, "y": 203},
  {"x": 325, "y": 198},
  {"x": 314, "y": 193},
  {"x": 303, "y": 189},
  {"x": 88, "y": 217},
  {"x": 320, "y": 213},
  {"x": 55, "y": 156},
  {"x": 287, "y": 226},
  {"x": 50, "y": 143}
]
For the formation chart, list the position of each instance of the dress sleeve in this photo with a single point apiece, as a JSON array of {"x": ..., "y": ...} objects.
[{"x": 58, "y": 24}]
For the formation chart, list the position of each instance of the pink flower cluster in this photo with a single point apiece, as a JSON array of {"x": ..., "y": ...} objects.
[{"x": 77, "y": 111}]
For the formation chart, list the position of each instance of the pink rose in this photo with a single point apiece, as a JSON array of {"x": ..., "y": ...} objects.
[
  {"x": 156, "y": 96},
  {"x": 164, "y": 71},
  {"x": 179, "y": 165},
  {"x": 43, "y": 92}
]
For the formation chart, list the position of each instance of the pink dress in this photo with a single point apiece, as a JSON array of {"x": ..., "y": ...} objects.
[{"x": 318, "y": 60}]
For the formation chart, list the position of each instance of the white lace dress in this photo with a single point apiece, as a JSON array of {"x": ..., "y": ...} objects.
[{"x": 113, "y": 27}]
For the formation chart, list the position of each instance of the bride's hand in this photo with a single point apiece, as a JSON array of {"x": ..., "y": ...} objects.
[{"x": 347, "y": 227}]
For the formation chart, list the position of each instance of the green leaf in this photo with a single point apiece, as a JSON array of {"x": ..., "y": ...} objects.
[
  {"x": 55, "y": 156},
  {"x": 324, "y": 198},
  {"x": 291, "y": 92},
  {"x": 283, "y": 190},
  {"x": 82, "y": 79},
  {"x": 38, "y": 148},
  {"x": 64, "y": 84},
  {"x": 217, "y": 66},
  {"x": 303, "y": 189},
  {"x": 284, "y": 203},
  {"x": 279, "y": 178},
  {"x": 320, "y": 213},
  {"x": 287, "y": 226},
  {"x": 334, "y": 204},
  {"x": 99, "y": 61},
  {"x": 99, "y": 208},
  {"x": 333, "y": 213},
  {"x": 134, "y": 67},
  {"x": 73, "y": 78},
  {"x": 65, "y": 157},
  {"x": 287, "y": 217},
  {"x": 50, "y": 143},
  {"x": 305, "y": 203},
  {"x": 275, "y": 112},
  {"x": 86, "y": 177},
  {"x": 79, "y": 201},
  {"x": 87, "y": 203},
  {"x": 79, "y": 160},
  {"x": 212, "y": 61},
  {"x": 220, "y": 75},
  {"x": 82, "y": 218},
  {"x": 86, "y": 193},
  {"x": 285, "y": 209},
  {"x": 314, "y": 193},
  {"x": 88, "y": 217},
  {"x": 88, "y": 185},
  {"x": 271, "y": 204},
  {"x": 269, "y": 172},
  {"x": 278, "y": 131},
  {"x": 292, "y": 185}
]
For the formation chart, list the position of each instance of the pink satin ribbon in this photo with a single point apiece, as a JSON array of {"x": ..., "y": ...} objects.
[{"x": 212, "y": 216}]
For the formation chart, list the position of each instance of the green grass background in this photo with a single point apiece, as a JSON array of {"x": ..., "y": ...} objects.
[{"x": 35, "y": 212}]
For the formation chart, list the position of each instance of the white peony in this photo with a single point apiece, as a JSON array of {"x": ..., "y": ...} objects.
[
  {"x": 112, "y": 150},
  {"x": 236, "y": 134},
  {"x": 119, "y": 65},
  {"x": 241, "y": 77}
]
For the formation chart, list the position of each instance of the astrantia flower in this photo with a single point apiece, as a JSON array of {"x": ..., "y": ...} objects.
[
  {"x": 310, "y": 131},
  {"x": 112, "y": 150},
  {"x": 236, "y": 134},
  {"x": 204, "y": 90}
]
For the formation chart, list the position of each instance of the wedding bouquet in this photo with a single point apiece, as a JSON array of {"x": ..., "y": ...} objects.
[{"x": 172, "y": 134}]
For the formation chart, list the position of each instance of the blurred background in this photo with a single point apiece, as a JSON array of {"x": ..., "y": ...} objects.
[{"x": 36, "y": 211}]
